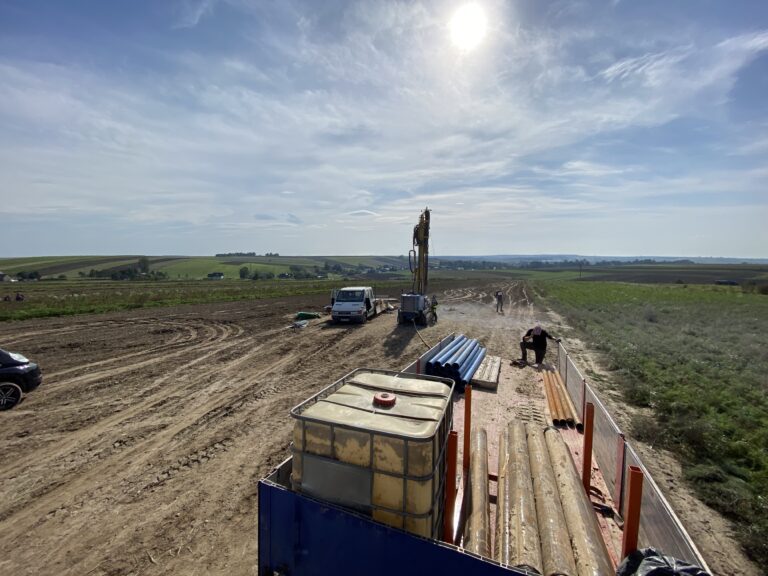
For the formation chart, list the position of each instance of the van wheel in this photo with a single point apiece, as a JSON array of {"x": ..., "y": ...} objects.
[{"x": 10, "y": 395}]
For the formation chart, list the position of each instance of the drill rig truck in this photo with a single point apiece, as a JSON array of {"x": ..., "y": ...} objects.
[{"x": 415, "y": 305}]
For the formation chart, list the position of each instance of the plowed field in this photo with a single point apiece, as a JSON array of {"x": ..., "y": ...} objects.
[{"x": 141, "y": 451}]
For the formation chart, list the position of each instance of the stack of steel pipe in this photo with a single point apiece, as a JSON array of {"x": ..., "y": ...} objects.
[
  {"x": 554, "y": 407},
  {"x": 571, "y": 407},
  {"x": 517, "y": 532},
  {"x": 544, "y": 519},
  {"x": 561, "y": 406},
  {"x": 589, "y": 551},
  {"x": 459, "y": 361},
  {"x": 477, "y": 535},
  {"x": 556, "y": 554}
]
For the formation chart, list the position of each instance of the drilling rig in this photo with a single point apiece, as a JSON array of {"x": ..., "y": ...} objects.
[{"x": 415, "y": 305}]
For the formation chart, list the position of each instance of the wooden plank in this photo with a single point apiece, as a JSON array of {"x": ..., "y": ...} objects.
[{"x": 487, "y": 374}]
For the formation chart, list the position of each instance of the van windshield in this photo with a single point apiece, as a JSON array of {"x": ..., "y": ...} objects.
[{"x": 349, "y": 296}]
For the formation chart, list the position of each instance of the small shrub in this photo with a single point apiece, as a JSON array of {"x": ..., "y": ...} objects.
[
  {"x": 646, "y": 429},
  {"x": 639, "y": 393}
]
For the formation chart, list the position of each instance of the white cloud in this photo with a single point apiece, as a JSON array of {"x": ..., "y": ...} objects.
[
  {"x": 192, "y": 11},
  {"x": 365, "y": 120}
]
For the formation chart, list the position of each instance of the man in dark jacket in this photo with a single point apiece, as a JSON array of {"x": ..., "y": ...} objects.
[{"x": 535, "y": 339}]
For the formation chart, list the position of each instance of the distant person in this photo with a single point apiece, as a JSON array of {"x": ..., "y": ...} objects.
[
  {"x": 535, "y": 339},
  {"x": 499, "y": 301},
  {"x": 19, "y": 297},
  {"x": 7, "y": 298},
  {"x": 433, "y": 308}
]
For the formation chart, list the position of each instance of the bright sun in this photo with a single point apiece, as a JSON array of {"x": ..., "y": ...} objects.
[{"x": 468, "y": 27}]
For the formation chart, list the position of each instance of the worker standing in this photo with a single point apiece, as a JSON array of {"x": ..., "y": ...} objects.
[
  {"x": 433, "y": 308},
  {"x": 499, "y": 301},
  {"x": 535, "y": 339}
]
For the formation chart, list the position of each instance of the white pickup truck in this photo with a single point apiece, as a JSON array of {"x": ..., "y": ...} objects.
[{"x": 354, "y": 304}]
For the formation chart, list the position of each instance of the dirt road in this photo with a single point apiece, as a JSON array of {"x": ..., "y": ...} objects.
[{"x": 141, "y": 451}]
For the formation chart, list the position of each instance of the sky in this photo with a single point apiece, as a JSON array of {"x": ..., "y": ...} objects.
[{"x": 194, "y": 127}]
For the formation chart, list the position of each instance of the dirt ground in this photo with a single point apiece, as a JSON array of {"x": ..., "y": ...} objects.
[{"x": 141, "y": 451}]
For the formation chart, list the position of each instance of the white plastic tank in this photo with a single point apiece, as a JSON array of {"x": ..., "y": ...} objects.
[{"x": 375, "y": 441}]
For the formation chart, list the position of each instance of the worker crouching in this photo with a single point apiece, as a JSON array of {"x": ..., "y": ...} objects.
[{"x": 535, "y": 339}]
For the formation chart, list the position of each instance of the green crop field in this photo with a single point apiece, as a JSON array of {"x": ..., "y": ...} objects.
[
  {"x": 198, "y": 268},
  {"x": 697, "y": 355},
  {"x": 190, "y": 267}
]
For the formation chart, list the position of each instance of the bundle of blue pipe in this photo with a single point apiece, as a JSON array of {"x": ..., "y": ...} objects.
[{"x": 459, "y": 361}]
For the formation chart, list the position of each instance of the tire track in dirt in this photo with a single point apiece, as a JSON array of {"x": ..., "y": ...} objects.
[
  {"x": 139, "y": 401},
  {"x": 214, "y": 333},
  {"x": 177, "y": 340},
  {"x": 196, "y": 415}
]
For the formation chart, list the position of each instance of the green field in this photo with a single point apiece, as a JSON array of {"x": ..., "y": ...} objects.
[
  {"x": 191, "y": 267},
  {"x": 698, "y": 357}
]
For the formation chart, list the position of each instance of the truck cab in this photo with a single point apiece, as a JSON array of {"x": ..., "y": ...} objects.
[{"x": 354, "y": 304}]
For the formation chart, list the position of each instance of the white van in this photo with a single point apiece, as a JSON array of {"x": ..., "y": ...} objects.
[{"x": 354, "y": 303}]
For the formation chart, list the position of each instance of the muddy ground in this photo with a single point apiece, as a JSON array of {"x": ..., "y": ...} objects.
[{"x": 141, "y": 452}]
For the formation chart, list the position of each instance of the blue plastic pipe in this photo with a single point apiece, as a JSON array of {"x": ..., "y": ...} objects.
[
  {"x": 466, "y": 353},
  {"x": 468, "y": 362},
  {"x": 456, "y": 343},
  {"x": 453, "y": 360},
  {"x": 438, "y": 360},
  {"x": 472, "y": 368}
]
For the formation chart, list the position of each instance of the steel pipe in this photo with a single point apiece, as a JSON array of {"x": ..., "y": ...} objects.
[
  {"x": 567, "y": 412},
  {"x": 587, "y": 544},
  {"x": 575, "y": 418},
  {"x": 503, "y": 534},
  {"x": 556, "y": 554},
  {"x": 553, "y": 405},
  {"x": 524, "y": 547},
  {"x": 566, "y": 419},
  {"x": 552, "y": 399},
  {"x": 477, "y": 536}
]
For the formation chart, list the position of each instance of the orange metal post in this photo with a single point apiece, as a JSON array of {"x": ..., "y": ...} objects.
[
  {"x": 632, "y": 518},
  {"x": 589, "y": 422},
  {"x": 450, "y": 487},
  {"x": 467, "y": 423}
]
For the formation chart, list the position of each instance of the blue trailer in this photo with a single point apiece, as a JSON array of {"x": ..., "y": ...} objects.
[{"x": 302, "y": 536}]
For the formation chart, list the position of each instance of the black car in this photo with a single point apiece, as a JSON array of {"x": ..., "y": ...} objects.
[{"x": 17, "y": 377}]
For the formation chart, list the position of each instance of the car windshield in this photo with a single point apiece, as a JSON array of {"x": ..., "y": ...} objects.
[{"x": 349, "y": 296}]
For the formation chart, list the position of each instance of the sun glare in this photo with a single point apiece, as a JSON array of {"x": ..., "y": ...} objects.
[{"x": 468, "y": 27}]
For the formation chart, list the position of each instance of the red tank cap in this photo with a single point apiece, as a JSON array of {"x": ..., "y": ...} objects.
[{"x": 385, "y": 399}]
